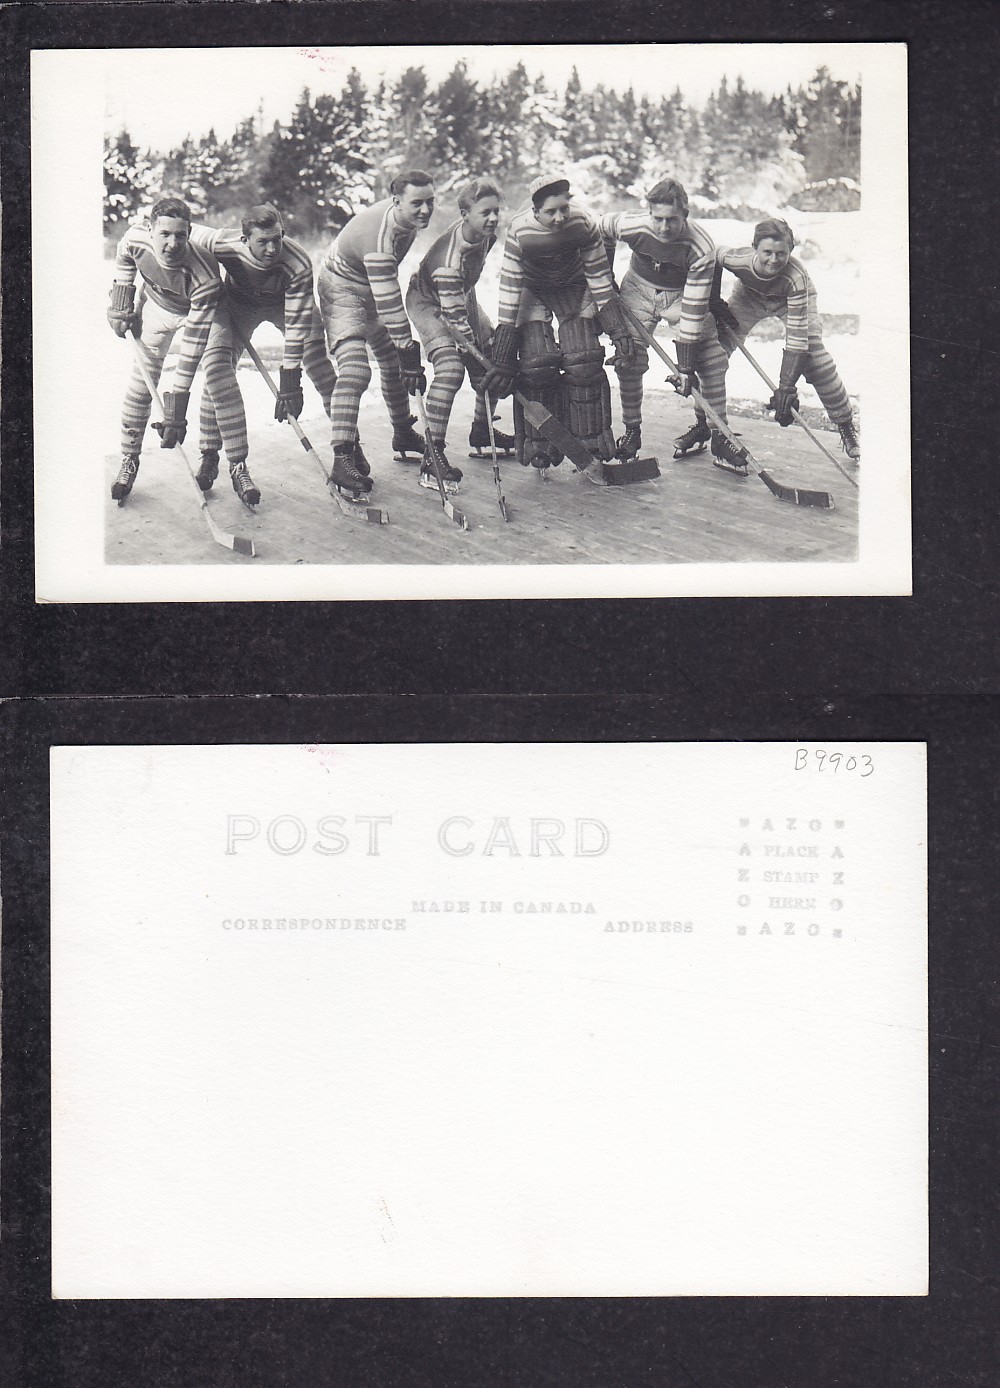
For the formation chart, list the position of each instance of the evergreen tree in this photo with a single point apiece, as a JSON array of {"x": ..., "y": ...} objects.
[
  {"x": 411, "y": 124},
  {"x": 825, "y": 117},
  {"x": 455, "y": 148},
  {"x": 128, "y": 181}
]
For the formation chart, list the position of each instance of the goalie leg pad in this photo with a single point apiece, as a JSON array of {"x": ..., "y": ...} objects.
[
  {"x": 587, "y": 389},
  {"x": 539, "y": 359},
  {"x": 529, "y": 442},
  {"x": 582, "y": 353}
]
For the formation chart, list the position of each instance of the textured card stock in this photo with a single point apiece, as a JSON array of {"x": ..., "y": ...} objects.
[{"x": 489, "y": 1020}]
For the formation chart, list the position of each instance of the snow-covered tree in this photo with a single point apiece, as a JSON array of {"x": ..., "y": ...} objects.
[{"x": 128, "y": 180}]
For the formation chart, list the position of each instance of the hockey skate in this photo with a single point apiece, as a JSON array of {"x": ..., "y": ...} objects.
[
  {"x": 479, "y": 441},
  {"x": 729, "y": 456},
  {"x": 628, "y": 445},
  {"x": 849, "y": 440},
  {"x": 406, "y": 440},
  {"x": 346, "y": 476},
  {"x": 450, "y": 476},
  {"x": 208, "y": 469},
  {"x": 360, "y": 461},
  {"x": 693, "y": 441},
  {"x": 125, "y": 480},
  {"x": 243, "y": 485}
]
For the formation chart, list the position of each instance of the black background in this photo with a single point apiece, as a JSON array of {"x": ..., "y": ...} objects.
[{"x": 808, "y": 670}]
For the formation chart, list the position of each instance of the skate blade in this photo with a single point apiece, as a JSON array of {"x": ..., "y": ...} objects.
[
  {"x": 430, "y": 485},
  {"x": 728, "y": 467},
  {"x": 690, "y": 452},
  {"x": 351, "y": 498},
  {"x": 486, "y": 456},
  {"x": 408, "y": 457}
]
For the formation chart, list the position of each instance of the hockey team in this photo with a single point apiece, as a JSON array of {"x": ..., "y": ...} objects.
[{"x": 558, "y": 296}]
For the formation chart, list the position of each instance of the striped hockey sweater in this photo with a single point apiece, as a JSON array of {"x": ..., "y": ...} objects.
[
  {"x": 686, "y": 263},
  {"x": 191, "y": 288},
  {"x": 450, "y": 270},
  {"x": 535, "y": 257},
  {"x": 287, "y": 283},
  {"x": 367, "y": 252},
  {"x": 789, "y": 292}
]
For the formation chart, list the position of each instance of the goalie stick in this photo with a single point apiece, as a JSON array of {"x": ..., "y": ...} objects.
[
  {"x": 798, "y": 496},
  {"x": 543, "y": 420},
  {"x": 238, "y": 543},
  {"x": 450, "y": 510},
  {"x": 355, "y": 510}
]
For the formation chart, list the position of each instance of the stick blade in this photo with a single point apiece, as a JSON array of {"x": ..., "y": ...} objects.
[
  {"x": 453, "y": 513},
  {"x": 634, "y": 470},
  {"x": 244, "y": 546},
  {"x": 797, "y": 496}
]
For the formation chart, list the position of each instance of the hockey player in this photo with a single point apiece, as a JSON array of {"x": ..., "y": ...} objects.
[
  {"x": 269, "y": 278},
  {"x": 670, "y": 277},
  {"x": 554, "y": 263},
  {"x": 445, "y": 284},
  {"x": 182, "y": 285},
  {"x": 773, "y": 283},
  {"x": 362, "y": 306}
]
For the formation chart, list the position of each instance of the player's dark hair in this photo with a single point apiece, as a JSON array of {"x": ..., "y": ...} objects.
[
  {"x": 476, "y": 189},
  {"x": 668, "y": 190},
  {"x": 415, "y": 178},
  {"x": 263, "y": 215},
  {"x": 550, "y": 190},
  {"x": 775, "y": 229},
  {"x": 170, "y": 207}
]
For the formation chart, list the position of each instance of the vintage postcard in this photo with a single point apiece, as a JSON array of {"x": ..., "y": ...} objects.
[
  {"x": 677, "y": 273},
  {"x": 489, "y": 1020}
]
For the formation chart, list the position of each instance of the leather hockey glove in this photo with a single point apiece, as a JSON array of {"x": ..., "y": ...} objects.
[
  {"x": 498, "y": 381},
  {"x": 615, "y": 324},
  {"x": 289, "y": 402},
  {"x": 121, "y": 311},
  {"x": 174, "y": 424},
  {"x": 412, "y": 372},
  {"x": 474, "y": 368},
  {"x": 686, "y": 379},
  {"x": 786, "y": 398}
]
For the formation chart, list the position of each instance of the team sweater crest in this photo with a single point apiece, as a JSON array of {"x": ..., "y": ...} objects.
[{"x": 686, "y": 263}]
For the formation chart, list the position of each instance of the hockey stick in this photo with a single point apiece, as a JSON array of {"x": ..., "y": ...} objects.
[
  {"x": 798, "y": 496},
  {"x": 543, "y": 420},
  {"x": 239, "y": 543},
  {"x": 795, "y": 414},
  {"x": 501, "y": 499},
  {"x": 374, "y": 514},
  {"x": 452, "y": 512}
]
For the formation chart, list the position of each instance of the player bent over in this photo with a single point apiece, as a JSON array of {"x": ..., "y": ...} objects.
[
  {"x": 268, "y": 278},
  {"x": 445, "y": 284},
  {"x": 182, "y": 285},
  {"x": 773, "y": 283},
  {"x": 362, "y": 306},
  {"x": 670, "y": 278},
  {"x": 554, "y": 263}
]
